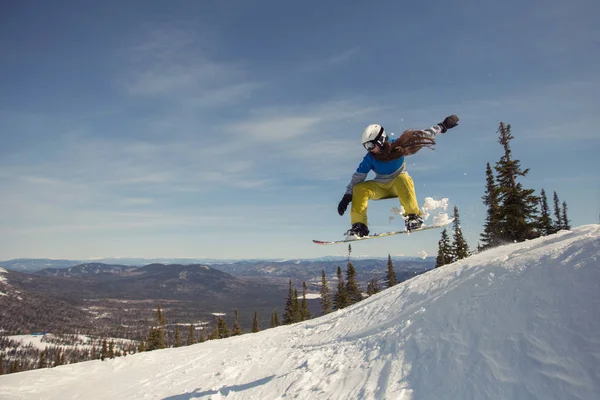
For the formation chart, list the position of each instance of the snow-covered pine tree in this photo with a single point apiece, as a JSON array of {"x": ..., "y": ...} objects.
[
  {"x": 444, "y": 255},
  {"x": 518, "y": 206},
  {"x": 325, "y": 295},
  {"x": 491, "y": 229},
  {"x": 391, "y": 274}
]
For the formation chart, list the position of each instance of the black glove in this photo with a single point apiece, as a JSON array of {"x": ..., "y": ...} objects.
[
  {"x": 344, "y": 204},
  {"x": 449, "y": 123}
]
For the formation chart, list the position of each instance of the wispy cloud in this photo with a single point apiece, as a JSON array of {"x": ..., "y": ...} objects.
[
  {"x": 277, "y": 128},
  {"x": 343, "y": 57},
  {"x": 169, "y": 64}
]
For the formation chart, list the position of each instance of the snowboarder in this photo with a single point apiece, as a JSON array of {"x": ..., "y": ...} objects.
[{"x": 386, "y": 158}]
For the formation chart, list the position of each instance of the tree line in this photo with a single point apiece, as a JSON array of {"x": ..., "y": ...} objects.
[{"x": 514, "y": 213}]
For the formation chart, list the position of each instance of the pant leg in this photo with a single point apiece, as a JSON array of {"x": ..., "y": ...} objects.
[
  {"x": 361, "y": 194},
  {"x": 405, "y": 190}
]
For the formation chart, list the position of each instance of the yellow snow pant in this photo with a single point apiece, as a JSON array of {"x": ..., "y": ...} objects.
[{"x": 401, "y": 187}]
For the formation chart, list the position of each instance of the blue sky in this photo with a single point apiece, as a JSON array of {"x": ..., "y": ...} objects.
[{"x": 230, "y": 129}]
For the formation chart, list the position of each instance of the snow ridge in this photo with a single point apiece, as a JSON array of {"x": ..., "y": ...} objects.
[{"x": 516, "y": 322}]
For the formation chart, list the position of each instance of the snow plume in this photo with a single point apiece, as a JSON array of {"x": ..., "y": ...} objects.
[
  {"x": 396, "y": 211},
  {"x": 428, "y": 207},
  {"x": 519, "y": 321}
]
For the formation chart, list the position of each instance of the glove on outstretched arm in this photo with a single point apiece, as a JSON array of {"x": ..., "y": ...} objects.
[
  {"x": 344, "y": 204},
  {"x": 449, "y": 123}
]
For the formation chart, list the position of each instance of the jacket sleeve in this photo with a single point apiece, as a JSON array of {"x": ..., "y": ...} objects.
[
  {"x": 360, "y": 175},
  {"x": 433, "y": 131}
]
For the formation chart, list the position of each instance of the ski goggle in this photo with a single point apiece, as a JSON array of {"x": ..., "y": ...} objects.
[{"x": 371, "y": 144}]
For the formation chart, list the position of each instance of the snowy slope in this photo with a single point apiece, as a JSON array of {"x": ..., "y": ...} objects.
[{"x": 517, "y": 322}]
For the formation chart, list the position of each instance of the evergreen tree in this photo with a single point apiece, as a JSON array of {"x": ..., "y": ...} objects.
[
  {"x": 297, "y": 307},
  {"x": 223, "y": 330},
  {"x": 43, "y": 361},
  {"x": 460, "y": 249},
  {"x": 565, "y": 220},
  {"x": 373, "y": 287},
  {"x": 1, "y": 364},
  {"x": 304, "y": 312},
  {"x": 391, "y": 274},
  {"x": 215, "y": 333},
  {"x": 340, "y": 299},
  {"x": 274, "y": 319},
  {"x": 325, "y": 295},
  {"x": 255, "y": 325},
  {"x": 491, "y": 230},
  {"x": 156, "y": 339},
  {"x": 177, "y": 337},
  {"x": 191, "y": 338},
  {"x": 237, "y": 329},
  {"x": 290, "y": 310},
  {"x": 559, "y": 222},
  {"x": 444, "y": 255},
  {"x": 104, "y": 352},
  {"x": 60, "y": 359},
  {"x": 545, "y": 222},
  {"x": 13, "y": 367},
  {"x": 142, "y": 347},
  {"x": 159, "y": 317},
  {"x": 518, "y": 206},
  {"x": 352, "y": 287},
  {"x": 111, "y": 349}
]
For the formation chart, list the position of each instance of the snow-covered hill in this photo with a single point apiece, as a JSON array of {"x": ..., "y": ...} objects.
[{"x": 517, "y": 322}]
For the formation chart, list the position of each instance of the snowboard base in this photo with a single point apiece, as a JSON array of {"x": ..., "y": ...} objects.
[{"x": 384, "y": 234}]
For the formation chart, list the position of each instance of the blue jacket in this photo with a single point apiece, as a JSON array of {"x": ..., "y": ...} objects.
[{"x": 385, "y": 171}]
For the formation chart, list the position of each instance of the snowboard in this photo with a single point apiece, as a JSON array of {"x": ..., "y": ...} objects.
[{"x": 384, "y": 234}]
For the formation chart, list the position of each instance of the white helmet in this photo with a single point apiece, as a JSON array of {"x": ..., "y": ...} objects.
[{"x": 372, "y": 135}]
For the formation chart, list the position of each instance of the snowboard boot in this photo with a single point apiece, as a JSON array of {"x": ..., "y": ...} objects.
[
  {"x": 413, "y": 222},
  {"x": 358, "y": 230}
]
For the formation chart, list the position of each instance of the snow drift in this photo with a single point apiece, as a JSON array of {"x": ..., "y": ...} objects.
[{"x": 517, "y": 322}]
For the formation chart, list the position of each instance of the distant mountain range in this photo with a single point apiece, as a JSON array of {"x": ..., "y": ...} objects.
[
  {"x": 117, "y": 295},
  {"x": 37, "y": 264}
]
